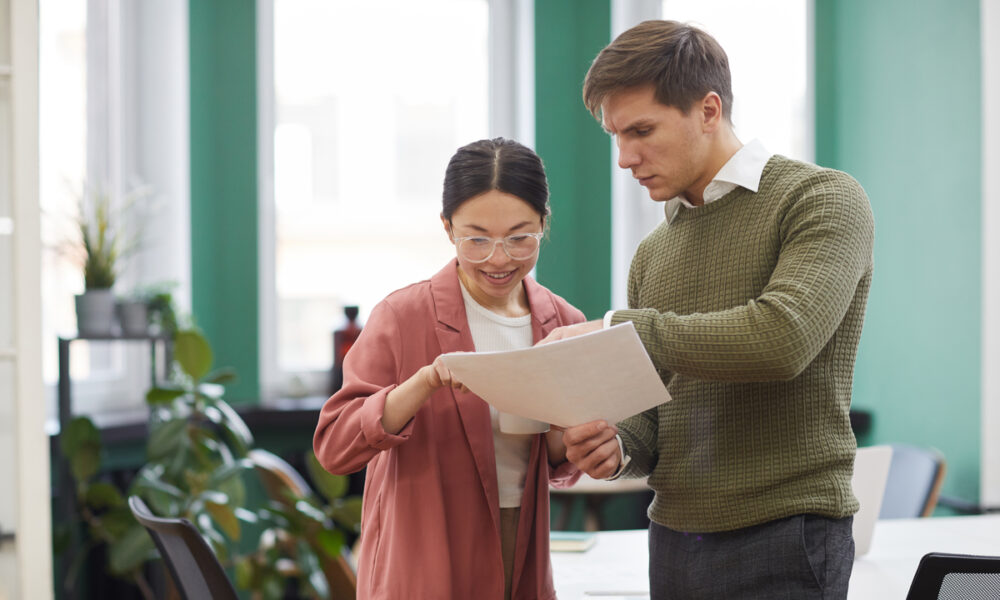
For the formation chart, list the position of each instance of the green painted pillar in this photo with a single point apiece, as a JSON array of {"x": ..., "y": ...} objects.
[
  {"x": 576, "y": 259},
  {"x": 224, "y": 245}
]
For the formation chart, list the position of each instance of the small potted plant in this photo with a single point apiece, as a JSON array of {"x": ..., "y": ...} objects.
[{"x": 101, "y": 245}]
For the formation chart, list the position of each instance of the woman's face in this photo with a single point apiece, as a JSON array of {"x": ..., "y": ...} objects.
[{"x": 494, "y": 214}]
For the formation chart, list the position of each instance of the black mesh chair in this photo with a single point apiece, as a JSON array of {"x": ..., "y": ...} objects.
[
  {"x": 195, "y": 569},
  {"x": 956, "y": 577}
]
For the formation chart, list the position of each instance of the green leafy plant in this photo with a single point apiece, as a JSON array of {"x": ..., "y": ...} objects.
[
  {"x": 102, "y": 238},
  {"x": 303, "y": 534},
  {"x": 198, "y": 452}
]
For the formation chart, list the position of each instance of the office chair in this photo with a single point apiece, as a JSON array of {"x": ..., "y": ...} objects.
[
  {"x": 955, "y": 577},
  {"x": 915, "y": 477},
  {"x": 279, "y": 478},
  {"x": 193, "y": 566}
]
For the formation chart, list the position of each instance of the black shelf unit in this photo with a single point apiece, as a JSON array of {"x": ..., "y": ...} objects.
[{"x": 65, "y": 495}]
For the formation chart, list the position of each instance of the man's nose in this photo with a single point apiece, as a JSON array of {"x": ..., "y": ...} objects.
[{"x": 627, "y": 156}]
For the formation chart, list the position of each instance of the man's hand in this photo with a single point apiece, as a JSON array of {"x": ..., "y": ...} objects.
[
  {"x": 592, "y": 447},
  {"x": 568, "y": 331}
]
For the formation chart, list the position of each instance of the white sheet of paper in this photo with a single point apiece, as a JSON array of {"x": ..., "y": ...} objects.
[{"x": 604, "y": 374}]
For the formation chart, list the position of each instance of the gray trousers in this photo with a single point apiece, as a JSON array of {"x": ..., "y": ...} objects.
[{"x": 799, "y": 557}]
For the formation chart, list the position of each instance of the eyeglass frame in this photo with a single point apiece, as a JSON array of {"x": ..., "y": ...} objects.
[{"x": 503, "y": 244}]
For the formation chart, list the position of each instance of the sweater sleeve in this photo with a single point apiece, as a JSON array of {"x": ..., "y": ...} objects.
[
  {"x": 827, "y": 235},
  {"x": 350, "y": 432}
]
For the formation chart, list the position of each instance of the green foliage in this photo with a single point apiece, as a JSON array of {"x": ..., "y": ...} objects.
[
  {"x": 100, "y": 243},
  {"x": 102, "y": 238},
  {"x": 198, "y": 451}
]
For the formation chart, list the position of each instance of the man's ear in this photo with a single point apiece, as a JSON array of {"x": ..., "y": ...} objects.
[{"x": 711, "y": 112}]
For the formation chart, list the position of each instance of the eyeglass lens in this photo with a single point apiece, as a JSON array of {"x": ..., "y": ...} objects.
[{"x": 517, "y": 247}]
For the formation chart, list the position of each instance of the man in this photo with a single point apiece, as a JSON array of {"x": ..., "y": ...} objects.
[{"x": 749, "y": 299}]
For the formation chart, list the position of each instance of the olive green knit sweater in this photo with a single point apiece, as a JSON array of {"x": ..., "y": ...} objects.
[{"x": 751, "y": 309}]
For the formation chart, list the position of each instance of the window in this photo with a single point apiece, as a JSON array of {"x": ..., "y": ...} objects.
[
  {"x": 112, "y": 115},
  {"x": 769, "y": 56},
  {"x": 370, "y": 101}
]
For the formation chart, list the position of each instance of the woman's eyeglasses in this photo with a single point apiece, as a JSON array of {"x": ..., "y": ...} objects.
[{"x": 478, "y": 249}]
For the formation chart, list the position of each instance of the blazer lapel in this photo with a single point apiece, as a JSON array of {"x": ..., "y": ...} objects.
[
  {"x": 453, "y": 335},
  {"x": 544, "y": 317}
]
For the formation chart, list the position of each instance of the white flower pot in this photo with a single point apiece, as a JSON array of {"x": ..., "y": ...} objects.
[{"x": 95, "y": 313}]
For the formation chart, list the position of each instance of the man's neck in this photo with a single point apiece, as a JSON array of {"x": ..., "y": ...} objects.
[{"x": 724, "y": 147}]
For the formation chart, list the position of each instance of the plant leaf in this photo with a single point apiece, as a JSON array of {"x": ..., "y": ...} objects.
[
  {"x": 117, "y": 521},
  {"x": 80, "y": 431},
  {"x": 330, "y": 541},
  {"x": 309, "y": 511},
  {"x": 234, "y": 428},
  {"x": 348, "y": 513},
  {"x": 85, "y": 461},
  {"x": 104, "y": 495},
  {"x": 224, "y": 515},
  {"x": 221, "y": 376},
  {"x": 228, "y": 471},
  {"x": 166, "y": 438},
  {"x": 130, "y": 551},
  {"x": 193, "y": 352},
  {"x": 329, "y": 485},
  {"x": 157, "y": 396}
]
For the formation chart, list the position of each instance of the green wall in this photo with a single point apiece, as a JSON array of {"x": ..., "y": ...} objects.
[
  {"x": 576, "y": 259},
  {"x": 224, "y": 268},
  {"x": 898, "y": 106}
]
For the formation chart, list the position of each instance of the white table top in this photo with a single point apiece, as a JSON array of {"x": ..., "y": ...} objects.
[{"x": 618, "y": 562}]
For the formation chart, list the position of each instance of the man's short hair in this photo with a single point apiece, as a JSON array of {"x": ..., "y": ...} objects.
[{"x": 682, "y": 62}]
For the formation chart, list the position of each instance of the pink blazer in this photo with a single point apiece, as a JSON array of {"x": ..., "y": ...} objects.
[{"x": 430, "y": 524}]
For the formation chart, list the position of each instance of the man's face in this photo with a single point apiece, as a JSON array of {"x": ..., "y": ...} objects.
[{"x": 666, "y": 150}]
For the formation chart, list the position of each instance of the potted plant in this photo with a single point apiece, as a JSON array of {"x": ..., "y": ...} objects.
[
  {"x": 101, "y": 243},
  {"x": 101, "y": 246},
  {"x": 198, "y": 455},
  {"x": 133, "y": 315}
]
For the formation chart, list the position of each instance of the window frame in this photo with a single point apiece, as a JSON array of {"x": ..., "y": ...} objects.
[
  {"x": 511, "y": 114},
  {"x": 137, "y": 126}
]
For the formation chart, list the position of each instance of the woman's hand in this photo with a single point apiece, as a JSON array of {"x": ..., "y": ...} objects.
[
  {"x": 436, "y": 375},
  {"x": 404, "y": 401}
]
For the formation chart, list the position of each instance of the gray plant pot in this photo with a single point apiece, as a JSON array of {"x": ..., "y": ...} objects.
[
  {"x": 133, "y": 318},
  {"x": 95, "y": 312}
]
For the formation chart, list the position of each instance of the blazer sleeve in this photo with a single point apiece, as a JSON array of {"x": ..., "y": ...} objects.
[{"x": 350, "y": 432}]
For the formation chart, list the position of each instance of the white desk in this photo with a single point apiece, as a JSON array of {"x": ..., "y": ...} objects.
[{"x": 619, "y": 559}]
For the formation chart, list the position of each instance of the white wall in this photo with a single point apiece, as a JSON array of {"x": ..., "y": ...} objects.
[{"x": 990, "y": 464}]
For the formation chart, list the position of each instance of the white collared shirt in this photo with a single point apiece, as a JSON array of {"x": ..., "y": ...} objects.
[{"x": 743, "y": 169}]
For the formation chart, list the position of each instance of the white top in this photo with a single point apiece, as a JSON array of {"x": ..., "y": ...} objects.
[{"x": 492, "y": 333}]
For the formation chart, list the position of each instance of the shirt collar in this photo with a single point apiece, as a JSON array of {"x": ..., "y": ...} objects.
[{"x": 743, "y": 169}]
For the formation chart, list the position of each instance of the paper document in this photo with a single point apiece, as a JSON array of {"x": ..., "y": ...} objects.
[{"x": 604, "y": 374}]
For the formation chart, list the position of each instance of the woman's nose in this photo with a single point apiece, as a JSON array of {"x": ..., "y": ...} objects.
[{"x": 499, "y": 256}]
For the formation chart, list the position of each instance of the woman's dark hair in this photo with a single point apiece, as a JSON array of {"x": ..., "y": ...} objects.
[{"x": 497, "y": 164}]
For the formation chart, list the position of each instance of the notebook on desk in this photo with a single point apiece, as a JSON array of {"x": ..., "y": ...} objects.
[
  {"x": 871, "y": 470},
  {"x": 571, "y": 541}
]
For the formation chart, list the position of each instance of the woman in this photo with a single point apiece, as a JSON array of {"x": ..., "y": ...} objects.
[{"x": 453, "y": 506}]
